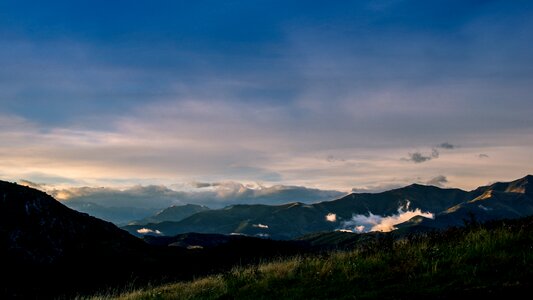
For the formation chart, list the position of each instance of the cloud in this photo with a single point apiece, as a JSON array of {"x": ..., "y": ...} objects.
[
  {"x": 439, "y": 181},
  {"x": 418, "y": 157},
  {"x": 151, "y": 196},
  {"x": 274, "y": 107},
  {"x": 216, "y": 194},
  {"x": 114, "y": 204},
  {"x": 447, "y": 145},
  {"x": 262, "y": 226},
  {"x": 371, "y": 222},
  {"x": 200, "y": 185},
  {"x": 378, "y": 188},
  {"x": 31, "y": 184},
  {"x": 331, "y": 217},
  {"x": 148, "y": 231}
]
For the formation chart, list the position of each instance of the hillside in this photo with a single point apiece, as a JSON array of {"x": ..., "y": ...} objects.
[
  {"x": 48, "y": 250},
  {"x": 449, "y": 207},
  {"x": 491, "y": 261},
  {"x": 174, "y": 213},
  {"x": 38, "y": 233}
]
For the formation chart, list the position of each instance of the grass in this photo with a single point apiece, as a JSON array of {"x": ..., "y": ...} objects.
[{"x": 479, "y": 260}]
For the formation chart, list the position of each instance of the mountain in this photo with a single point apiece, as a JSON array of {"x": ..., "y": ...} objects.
[
  {"x": 48, "y": 250},
  {"x": 36, "y": 228},
  {"x": 174, "y": 213},
  {"x": 450, "y": 207},
  {"x": 501, "y": 200},
  {"x": 41, "y": 240},
  {"x": 118, "y": 215}
]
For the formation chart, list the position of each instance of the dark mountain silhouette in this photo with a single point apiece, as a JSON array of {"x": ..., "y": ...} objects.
[
  {"x": 38, "y": 229},
  {"x": 174, "y": 213},
  {"x": 48, "y": 250},
  {"x": 451, "y": 207},
  {"x": 41, "y": 239}
]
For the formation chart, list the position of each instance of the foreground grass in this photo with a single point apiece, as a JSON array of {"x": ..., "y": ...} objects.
[{"x": 479, "y": 260}]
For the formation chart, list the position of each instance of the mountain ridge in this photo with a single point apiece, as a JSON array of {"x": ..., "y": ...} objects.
[{"x": 288, "y": 221}]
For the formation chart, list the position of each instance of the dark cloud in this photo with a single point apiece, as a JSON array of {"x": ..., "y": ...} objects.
[
  {"x": 418, "y": 157},
  {"x": 447, "y": 145},
  {"x": 438, "y": 181},
  {"x": 483, "y": 155},
  {"x": 200, "y": 185}
]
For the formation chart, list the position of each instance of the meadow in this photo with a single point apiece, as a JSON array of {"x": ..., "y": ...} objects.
[{"x": 491, "y": 260}]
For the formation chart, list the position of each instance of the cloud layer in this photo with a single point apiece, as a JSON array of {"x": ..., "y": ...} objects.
[
  {"x": 330, "y": 97},
  {"x": 221, "y": 194}
]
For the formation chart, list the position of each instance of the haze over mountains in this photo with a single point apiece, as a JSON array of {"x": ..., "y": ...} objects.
[
  {"x": 415, "y": 206},
  {"x": 121, "y": 206}
]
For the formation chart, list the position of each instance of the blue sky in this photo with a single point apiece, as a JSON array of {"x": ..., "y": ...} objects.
[{"x": 331, "y": 95}]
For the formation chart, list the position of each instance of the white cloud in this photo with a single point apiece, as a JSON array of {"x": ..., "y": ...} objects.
[
  {"x": 262, "y": 226},
  {"x": 371, "y": 222},
  {"x": 148, "y": 231},
  {"x": 331, "y": 217}
]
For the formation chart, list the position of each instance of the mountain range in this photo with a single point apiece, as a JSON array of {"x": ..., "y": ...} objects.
[
  {"x": 50, "y": 250},
  {"x": 173, "y": 213},
  {"x": 411, "y": 208}
]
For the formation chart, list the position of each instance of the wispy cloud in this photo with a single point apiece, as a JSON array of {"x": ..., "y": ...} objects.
[
  {"x": 371, "y": 222},
  {"x": 262, "y": 226},
  {"x": 439, "y": 181},
  {"x": 149, "y": 231},
  {"x": 320, "y": 103}
]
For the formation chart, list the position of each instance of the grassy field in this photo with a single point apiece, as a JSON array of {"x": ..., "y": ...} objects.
[{"x": 491, "y": 260}]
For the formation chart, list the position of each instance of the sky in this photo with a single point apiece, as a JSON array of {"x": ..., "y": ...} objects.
[{"x": 330, "y": 95}]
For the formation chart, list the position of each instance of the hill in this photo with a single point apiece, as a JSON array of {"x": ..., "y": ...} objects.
[
  {"x": 440, "y": 207},
  {"x": 39, "y": 235},
  {"x": 174, "y": 213},
  {"x": 48, "y": 250},
  {"x": 502, "y": 200},
  {"x": 490, "y": 261}
]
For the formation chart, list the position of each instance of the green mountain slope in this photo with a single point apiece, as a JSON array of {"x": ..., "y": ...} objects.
[{"x": 451, "y": 207}]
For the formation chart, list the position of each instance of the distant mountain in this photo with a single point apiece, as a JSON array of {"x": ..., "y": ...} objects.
[
  {"x": 174, "y": 214},
  {"x": 138, "y": 202},
  {"x": 118, "y": 215},
  {"x": 450, "y": 207}
]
